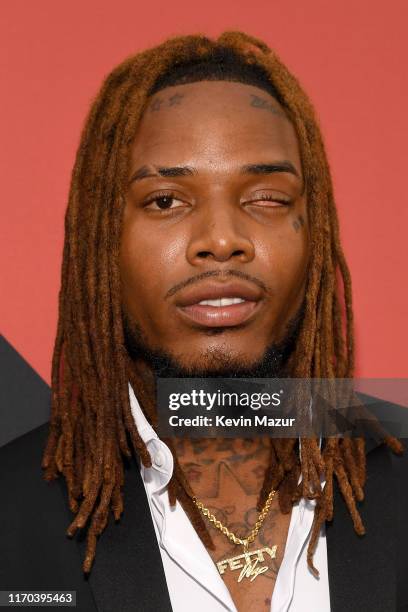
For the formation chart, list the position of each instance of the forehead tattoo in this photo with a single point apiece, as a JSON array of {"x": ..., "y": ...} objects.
[
  {"x": 258, "y": 102},
  {"x": 160, "y": 103},
  {"x": 254, "y": 101}
]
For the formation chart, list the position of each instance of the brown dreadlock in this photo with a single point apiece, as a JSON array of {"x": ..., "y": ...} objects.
[{"x": 91, "y": 426}]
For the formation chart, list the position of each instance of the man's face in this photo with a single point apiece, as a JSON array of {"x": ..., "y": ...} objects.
[{"x": 214, "y": 248}]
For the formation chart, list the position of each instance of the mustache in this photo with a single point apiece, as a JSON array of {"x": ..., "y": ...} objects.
[{"x": 216, "y": 274}]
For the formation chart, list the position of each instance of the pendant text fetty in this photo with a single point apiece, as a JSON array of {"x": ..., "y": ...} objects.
[{"x": 248, "y": 563}]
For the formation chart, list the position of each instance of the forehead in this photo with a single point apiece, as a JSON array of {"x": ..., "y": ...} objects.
[{"x": 213, "y": 120}]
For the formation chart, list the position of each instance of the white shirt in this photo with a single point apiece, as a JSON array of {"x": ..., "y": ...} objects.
[{"x": 192, "y": 577}]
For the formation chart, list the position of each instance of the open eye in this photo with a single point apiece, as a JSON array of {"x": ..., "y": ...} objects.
[{"x": 165, "y": 201}]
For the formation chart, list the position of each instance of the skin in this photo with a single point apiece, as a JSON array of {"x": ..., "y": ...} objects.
[{"x": 217, "y": 221}]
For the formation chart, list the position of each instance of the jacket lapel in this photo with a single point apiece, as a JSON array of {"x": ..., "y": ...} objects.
[
  {"x": 362, "y": 568},
  {"x": 128, "y": 572}
]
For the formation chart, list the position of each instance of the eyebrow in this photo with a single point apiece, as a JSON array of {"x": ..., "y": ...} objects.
[
  {"x": 271, "y": 168},
  {"x": 174, "y": 171},
  {"x": 153, "y": 171},
  {"x": 283, "y": 166}
]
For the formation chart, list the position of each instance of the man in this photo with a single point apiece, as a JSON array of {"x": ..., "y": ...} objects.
[{"x": 202, "y": 240}]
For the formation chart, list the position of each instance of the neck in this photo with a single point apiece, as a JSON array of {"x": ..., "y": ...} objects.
[{"x": 213, "y": 466}]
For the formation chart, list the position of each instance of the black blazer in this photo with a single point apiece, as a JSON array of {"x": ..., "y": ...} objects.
[{"x": 366, "y": 573}]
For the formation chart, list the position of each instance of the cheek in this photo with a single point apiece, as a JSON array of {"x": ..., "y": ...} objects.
[
  {"x": 147, "y": 264},
  {"x": 285, "y": 256}
]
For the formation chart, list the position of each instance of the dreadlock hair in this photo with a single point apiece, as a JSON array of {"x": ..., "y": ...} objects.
[{"x": 91, "y": 427}]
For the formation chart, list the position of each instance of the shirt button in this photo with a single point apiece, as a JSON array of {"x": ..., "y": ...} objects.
[{"x": 159, "y": 459}]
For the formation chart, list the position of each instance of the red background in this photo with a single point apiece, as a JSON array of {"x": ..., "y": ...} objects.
[{"x": 351, "y": 57}]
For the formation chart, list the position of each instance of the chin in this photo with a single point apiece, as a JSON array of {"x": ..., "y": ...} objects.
[
  {"x": 218, "y": 356},
  {"x": 213, "y": 367},
  {"x": 214, "y": 357},
  {"x": 215, "y": 362}
]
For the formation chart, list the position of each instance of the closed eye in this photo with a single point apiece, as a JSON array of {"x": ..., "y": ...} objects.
[{"x": 270, "y": 201}]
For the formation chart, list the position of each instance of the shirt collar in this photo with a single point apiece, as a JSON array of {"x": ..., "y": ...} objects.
[
  {"x": 161, "y": 470},
  {"x": 145, "y": 430}
]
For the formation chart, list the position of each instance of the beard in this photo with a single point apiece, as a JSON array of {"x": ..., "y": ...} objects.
[{"x": 272, "y": 364}]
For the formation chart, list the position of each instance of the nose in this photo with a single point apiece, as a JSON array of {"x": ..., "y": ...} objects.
[{"x": 220, "y": 235}]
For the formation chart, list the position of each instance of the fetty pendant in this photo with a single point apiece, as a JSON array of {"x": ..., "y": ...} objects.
[{"x": 248, "y": 563}]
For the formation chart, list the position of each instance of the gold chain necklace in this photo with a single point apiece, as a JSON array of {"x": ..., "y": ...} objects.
[{"x": 248, "y": 561}]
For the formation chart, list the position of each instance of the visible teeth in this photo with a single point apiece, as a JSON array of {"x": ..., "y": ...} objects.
[{"x": 221, "y": 302}]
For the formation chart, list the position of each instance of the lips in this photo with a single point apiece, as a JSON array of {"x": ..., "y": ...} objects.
[{"x": 213, "y": 304}]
